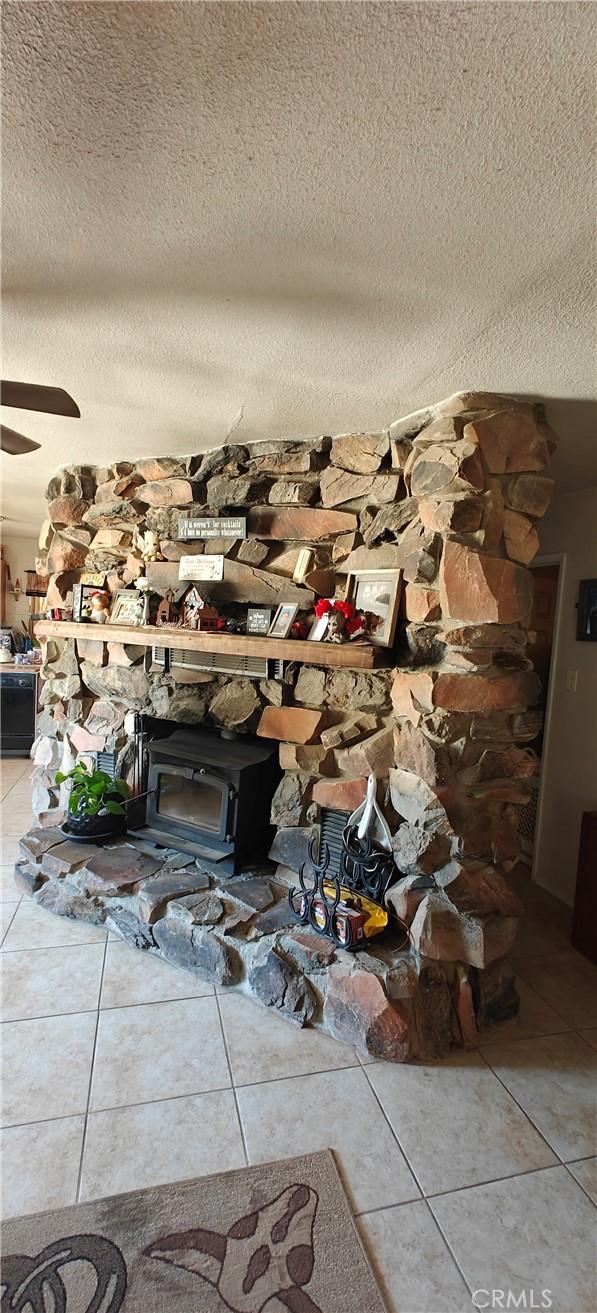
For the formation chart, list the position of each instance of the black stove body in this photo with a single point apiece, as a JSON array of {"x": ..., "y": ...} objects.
[{"x": 210, "y": 795}]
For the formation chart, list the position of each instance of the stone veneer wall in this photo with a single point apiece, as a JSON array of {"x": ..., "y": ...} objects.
[{"x": 450, "y": 495}]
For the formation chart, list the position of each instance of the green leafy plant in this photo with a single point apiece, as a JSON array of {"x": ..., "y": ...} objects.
[{"x": 93, "y": 792}]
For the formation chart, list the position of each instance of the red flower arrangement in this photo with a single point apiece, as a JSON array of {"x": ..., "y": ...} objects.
[{"x": 353, "y": 619}]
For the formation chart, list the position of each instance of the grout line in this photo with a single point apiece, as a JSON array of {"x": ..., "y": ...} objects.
[
  {"x": 524, "y": 1112},
  {"x": 392, "y": 1131},
  {"x": 232, "y": 1084},
  {"x": 576, "y": 1180},
  {"x": 40, "y": 948},
  {"x": 86, "y": 1117},
  {"x": 15, "y": 910},
  {"x": 123, "y": 1107}
]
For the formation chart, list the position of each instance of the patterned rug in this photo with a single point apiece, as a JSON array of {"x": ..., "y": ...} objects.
[{"x": 266, "y": 1239}]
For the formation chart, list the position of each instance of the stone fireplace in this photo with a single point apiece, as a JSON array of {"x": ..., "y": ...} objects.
[{"x": 449, "y": 495}]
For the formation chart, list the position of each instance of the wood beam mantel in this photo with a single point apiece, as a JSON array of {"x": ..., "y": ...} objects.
[{"x": 354, "y": 656}]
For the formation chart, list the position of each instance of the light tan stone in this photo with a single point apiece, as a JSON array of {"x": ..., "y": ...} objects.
[
  {"x": 360, "y": 452},
  {"x": 484, "y": 693},
  {"x": 307, "y": 757},
  {"x": 166, "y": 492},
  {"x": 520, "y": 536},
  {"x": 412, "y": 693},
  {"x": 421, "y": 604},
  {"x": 338, "y": 486},
  {"x": 438, "y": 470},
  {"x": 373, "y": 756},
  {"x": 529, "y": 493},
  {"x": 510, "y": 441},
  {"x": 285, "y": 523}
]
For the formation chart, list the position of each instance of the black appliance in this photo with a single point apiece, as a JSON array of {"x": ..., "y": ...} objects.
[
  {"x": 18, "y": 695},
  {"x": 210, "y": 795}
]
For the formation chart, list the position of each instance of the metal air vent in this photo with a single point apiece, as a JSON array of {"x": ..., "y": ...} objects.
[
  {"x": 106, "y": 761},
  {"x": 220, "y": 663}
]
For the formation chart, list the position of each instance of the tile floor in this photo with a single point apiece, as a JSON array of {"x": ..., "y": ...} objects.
[{"x": 477, "y": 1173}]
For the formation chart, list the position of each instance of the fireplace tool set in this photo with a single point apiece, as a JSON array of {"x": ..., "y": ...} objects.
[{"x": 349, "y": 907}]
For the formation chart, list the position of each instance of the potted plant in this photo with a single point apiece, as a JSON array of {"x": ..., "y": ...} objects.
[{"x": 96, "y": 804}]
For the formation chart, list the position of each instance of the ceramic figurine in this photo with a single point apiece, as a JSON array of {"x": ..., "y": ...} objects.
[{"x": 148, "y": 545}]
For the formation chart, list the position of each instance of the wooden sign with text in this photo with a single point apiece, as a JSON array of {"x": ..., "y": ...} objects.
[
  {"x": 227, "y": 526},
  {"x": 201, "y": 567}
]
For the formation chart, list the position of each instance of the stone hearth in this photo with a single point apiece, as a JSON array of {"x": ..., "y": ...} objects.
[{"x": 449, "y": 495}]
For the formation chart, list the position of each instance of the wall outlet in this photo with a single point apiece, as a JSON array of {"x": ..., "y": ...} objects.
[{"x": 571, "y": 681}]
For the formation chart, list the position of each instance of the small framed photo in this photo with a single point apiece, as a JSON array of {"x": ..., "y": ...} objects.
[
  {"x": 280, "y": 626},
  {"x": 259, "y": 619},
  {"x": 128, "y": 608},
  {"x": 318, "y": 629},
  {"x": 586, "y": 622},
  {"x": 377, "y": 591},
  {"x": 82, "y": 600}
]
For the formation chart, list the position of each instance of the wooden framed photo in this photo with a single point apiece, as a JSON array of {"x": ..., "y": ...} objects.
[
  {"x": 280, "y": 626},
  {"x": 377, "y": 591},
  {"x": 586, "y": 621},
  {"x": 128, "y": 608},
  {"x": 318, "y": 629}
]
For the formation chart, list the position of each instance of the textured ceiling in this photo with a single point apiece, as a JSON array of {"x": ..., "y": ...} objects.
[{"x": 286, "y": 219}]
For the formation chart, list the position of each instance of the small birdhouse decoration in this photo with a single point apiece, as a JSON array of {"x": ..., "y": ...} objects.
[
  {"x": 167, "y": 613},
  {"x": 197, "y": 614}
]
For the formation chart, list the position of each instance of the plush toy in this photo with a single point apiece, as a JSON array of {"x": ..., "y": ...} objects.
[{"x": 99, "y": 602}]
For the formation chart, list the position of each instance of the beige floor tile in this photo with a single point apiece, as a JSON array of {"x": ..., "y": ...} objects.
[
  {"x": 455, "y": 1122},
  {"x": 412, "y": 1261},
  {"x": 335, "y": 1110},
  {"x": 535, "y": 1018},
  {"x": 590, "y": 1036},
  {"x": 9, "y": 851},
  {"x": 40, "y": 1165},
  {"x": 15, "y": 821},
  {"x": 172, "y": 1140},
  {"x": 158, "y": 1051},
  {"x": 568, "y": 982},
  {"x": 531, "y": 1233},
  {"x": 554, "y": 1079},
  {"x": 8, "y": 889},
  {"x": 44, "y": 982},
  {"x": 133, "y": 977},
  {"x": 7, "y": 915},
  {"x": 264, "y": 1047},
  {"x": 46, "y": 1065},
  {"x": 585, "y": 1173},
  {"x": 34, "y": 927}
]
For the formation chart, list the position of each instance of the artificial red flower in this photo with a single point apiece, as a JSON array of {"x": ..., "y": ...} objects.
[
  {"x": 322, "y": 607},
  {"x": 220, "y": 623},
  {"x": 353, "y": 624},
  {"x": 345, "y": 608}
]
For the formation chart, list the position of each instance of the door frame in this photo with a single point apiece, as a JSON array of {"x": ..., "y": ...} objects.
[{"x": 559, "y": 559}]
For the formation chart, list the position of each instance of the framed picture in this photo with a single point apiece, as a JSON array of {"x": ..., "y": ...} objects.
[
  {"x": 318, "y": 628},
  {"x": 82, "y": 600},
  {"x": 280, "y": 626},
  {"x": 377, "y": 591},
  {"x": 128, "y": 608},
  {"x": 586, "y": 620},
  {"x": 259, "y": 619}
]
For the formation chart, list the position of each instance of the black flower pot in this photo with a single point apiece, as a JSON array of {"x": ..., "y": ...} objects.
[{"x": 95, "y": 827}]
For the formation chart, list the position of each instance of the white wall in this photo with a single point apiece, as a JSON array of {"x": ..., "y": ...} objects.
[
  {"x": 19, "y": 554},
  {"x": 569, "y": 777}
]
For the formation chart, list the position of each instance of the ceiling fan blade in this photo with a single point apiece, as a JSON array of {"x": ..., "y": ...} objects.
[
  {"x": 14, "y": 443},
  {"x": 30, "y": 396}
]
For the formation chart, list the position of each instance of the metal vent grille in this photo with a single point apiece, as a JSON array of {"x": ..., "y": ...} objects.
[
  {"x": 106, "y": 761},
  {"x": 332, "y": 825},
  {"x": 527, "y": 821},
  {"x": 221, "y": 663}
]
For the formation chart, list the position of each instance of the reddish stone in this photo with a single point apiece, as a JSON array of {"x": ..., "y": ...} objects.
[
  {"x": 481, "y": 890},
  {"x": 68, "y": 509},
  {"x": 412, "y": 693},
  {"x": 166, "y": 492},
  {"x": 480, "y": 588},
  {"x": 439, "y": 470},
  {"x": 65, "y": 555},
  {"x": 360, "y": 452},
  {"x": 65, "y": 857},
  {"x": 292, "y": 492},
  {"x": 349, "y": 730},
  {"x": 421, "y": 604},
  {"x": 343, "y": 795},
  {"x": 465, "y": 1008},
  {"x": 374, "y": 756},
  {"x": 486, "y": 694},
  {"x": 83, "y": 741},
  {"x": 520, "y": 536},
  {"x": 529, "y": 493},
  {"x": 159, "y": 467},
  {"x": 510, "y": 440},
  {"x": 109, "y": 869},
  {"x": 358, "y": 1011},
  {"x": 452, "y": 514},
  {"x": 414, "y": 752},
  {"x": 124, "y": 487},
  {"x": 312, "y": 758},
  {"x": 337, "y": 486},
  {"x": 291, "y": 724}
]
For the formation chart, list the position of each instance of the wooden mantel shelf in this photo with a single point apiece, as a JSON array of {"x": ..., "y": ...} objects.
[{"x": 354, "y": 656}]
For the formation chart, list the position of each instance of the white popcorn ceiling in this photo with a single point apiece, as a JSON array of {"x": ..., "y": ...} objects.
[{"x": 277, "y": 220}]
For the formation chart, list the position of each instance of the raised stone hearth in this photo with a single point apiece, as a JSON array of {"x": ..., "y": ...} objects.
[{"x": 450, "y": 496}]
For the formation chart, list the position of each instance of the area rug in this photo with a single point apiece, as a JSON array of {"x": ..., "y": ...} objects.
[{"x": 266, "y": 1239}]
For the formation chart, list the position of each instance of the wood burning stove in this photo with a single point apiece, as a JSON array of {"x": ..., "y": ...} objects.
[{"x": 210, "y": 794}]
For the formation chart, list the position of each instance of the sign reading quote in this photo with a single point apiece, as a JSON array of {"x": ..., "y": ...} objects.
[
  {"x": 228, "y": 526},
  {"x": 201, "y": 567}
]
